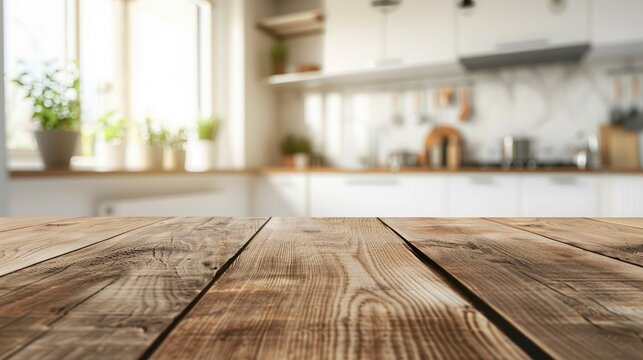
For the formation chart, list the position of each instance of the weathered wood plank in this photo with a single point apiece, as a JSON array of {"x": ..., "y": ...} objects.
[
  {"x": 11, "y": 223},
  {"x": 114, "y": 298},
  {"x": 333, "y": 288},
  {"x": 616, "y": 241},
  {"x": 570, "y": 302},
  {"x": 24, "y": 247},
  {"x": 633, "y": 222}
]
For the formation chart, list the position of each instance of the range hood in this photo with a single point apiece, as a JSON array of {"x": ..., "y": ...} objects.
[{"x": 572, "y": 53}]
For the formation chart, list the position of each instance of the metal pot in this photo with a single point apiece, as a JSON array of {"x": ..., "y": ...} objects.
[{"x": 518, "y": 152}]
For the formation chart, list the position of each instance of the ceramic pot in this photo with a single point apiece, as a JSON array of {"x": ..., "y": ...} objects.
[
  {"x": 301, "y": 160},
  {"x": 201, "y": 155},
  {"x": 174, "y": 159},
  {"x": 56, "y": 147},
  {"x": 110, "y": 156},
  {"x": 152, "y": 157}
]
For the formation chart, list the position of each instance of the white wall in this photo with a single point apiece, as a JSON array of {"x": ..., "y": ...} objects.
[{"x": 4, "y": 182}]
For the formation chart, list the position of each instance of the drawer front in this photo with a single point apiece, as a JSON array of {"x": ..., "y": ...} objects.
[
  {"x": 561, "y": 195},
  {"x": 280, "y": 195},
  {"x": 378, "y": 195},
  {"x": 485, "y": 195}
]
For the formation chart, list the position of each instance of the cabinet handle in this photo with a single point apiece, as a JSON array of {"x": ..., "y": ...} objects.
[
  {"x": 372, "y": 182},
  {"x": 479, "y": 180},
  {"x": 523, "y": 44},
  {"x": 563, "y": 180}
]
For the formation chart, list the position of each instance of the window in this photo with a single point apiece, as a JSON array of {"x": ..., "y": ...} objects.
[{"x": 143, "y": 58}]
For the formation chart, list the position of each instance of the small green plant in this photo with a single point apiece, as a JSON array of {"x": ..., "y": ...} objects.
[
  {"x": 155, "y": 135},
  {"x": 112, "y": 128},
  {"x": 207, "y": 128},
  {"x": 177, "y": 140},
  {"x": 55, "y": 93},
  {"x": 279, "y": 51},
  {"x": 292, "y": 144}
]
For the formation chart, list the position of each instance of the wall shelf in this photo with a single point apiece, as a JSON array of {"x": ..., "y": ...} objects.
[
  {"x": 372, "y": 76},
  {"x": 295, "y": 24}
]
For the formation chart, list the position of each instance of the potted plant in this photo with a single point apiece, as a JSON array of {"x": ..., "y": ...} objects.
[
  {"x": 175, "y": 150},
  {"x": 279, "y": 55},
  {"x": 152, "y": 150},
  {"x": 111, "y": 145},
  {"x": 296, "y": 151},
  {"x": 201, "y": 153},
  {"x": 56, "y": 111}
]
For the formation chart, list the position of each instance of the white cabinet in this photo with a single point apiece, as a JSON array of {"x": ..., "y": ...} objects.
[
  {"x": 503, "y": 26},
  {"x": 484, "y": 195},
  {"x": 358, "y": 37},
  {"x": 617, "y": 21},
  {"x": 280, "y": 195},
  {"x": 422, "y": 31},
  {"x": 624, "y": 195},
  {"x": 378, "y": 195},
  {"x": 352, "y": 35},
  {"x": 562, "y": 195}
]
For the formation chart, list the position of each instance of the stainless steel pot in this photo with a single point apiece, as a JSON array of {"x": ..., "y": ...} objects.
[{"x": 518, "y": 152}]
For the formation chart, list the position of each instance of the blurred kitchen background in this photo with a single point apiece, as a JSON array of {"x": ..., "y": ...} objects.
[{"x": 323, "y": 107}]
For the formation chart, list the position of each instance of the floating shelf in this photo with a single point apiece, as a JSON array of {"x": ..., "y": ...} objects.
[
  {"x": 374, "y": 76},
  {"x": 295, "y": 24}
]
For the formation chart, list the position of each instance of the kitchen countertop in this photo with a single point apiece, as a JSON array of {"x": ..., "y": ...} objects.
[
  {"x": 39, "y": 172},
  {"x": 321, "y": 288}
]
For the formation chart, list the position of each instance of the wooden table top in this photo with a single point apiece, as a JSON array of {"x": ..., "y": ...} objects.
[{"x": 321, "y": 288}]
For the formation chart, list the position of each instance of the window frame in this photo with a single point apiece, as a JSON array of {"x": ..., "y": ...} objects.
[{"x": 205, "y": 67}]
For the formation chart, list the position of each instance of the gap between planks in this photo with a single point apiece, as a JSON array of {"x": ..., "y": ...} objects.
[
  {"x": 563, "y": 237},
  {"x": 522, "y": 340},
  {"x": 222, "y": 270}
]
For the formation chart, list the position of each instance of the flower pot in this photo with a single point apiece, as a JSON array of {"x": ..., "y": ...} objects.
[
  {"x": 152, "y": 157},
  {"x": 201, "y": 155},
  {"x": 301, "y": 160},
  {"x": 56, "y": 147},
  {"x": 110, "y": 156},
  {"x": 174, "y": 159}
]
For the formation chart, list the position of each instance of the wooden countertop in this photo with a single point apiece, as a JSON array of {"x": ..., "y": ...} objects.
[
  {"x": 43, "y": 173},
  {"x": 321, "y": 288}
]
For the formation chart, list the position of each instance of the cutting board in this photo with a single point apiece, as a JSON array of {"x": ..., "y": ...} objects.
[{"x": 619, "y": 148}]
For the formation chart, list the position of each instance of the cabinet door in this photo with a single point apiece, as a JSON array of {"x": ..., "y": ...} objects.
[
  {"x": 378, "y": 195},
  {"x": 617, "y": 21},
  {"x": 422, "y": 31},
  {"x": 485, "y": 195},
  {"x": 624, "y": 195},
  {"x": 280, "y": 195},
  {"x": 561, "y": 195},
  {"x": 502, "y": 26},
  {"x": 353, "y": 35}
]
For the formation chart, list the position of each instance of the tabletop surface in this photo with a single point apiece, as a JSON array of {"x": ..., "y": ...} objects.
[{"x": 311, "y": 288}]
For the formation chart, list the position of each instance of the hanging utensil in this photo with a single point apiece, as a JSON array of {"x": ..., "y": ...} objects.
[
  {"x": 465, "y": 104},
  {"x": 617, "y": 115},
  {"x": 421, "y": 115},
  {"x": 397, "y": 118},
  {"x": 634, "y": 119}
]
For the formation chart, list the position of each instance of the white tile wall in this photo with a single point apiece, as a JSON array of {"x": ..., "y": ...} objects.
[{"x": 558, "y": 105}]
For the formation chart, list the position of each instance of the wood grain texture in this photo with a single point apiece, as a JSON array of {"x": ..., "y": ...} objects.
[
  {"x": 633, "y": 222},
  {"x": 616, "y": 241},
  {"x": 27, "y": 246},
  {"x": 570, "y": 302},
  {"x": 11, "y": 223},
  {"x": 114, "y": 298},
  {"x": 332, "y": 288}
]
